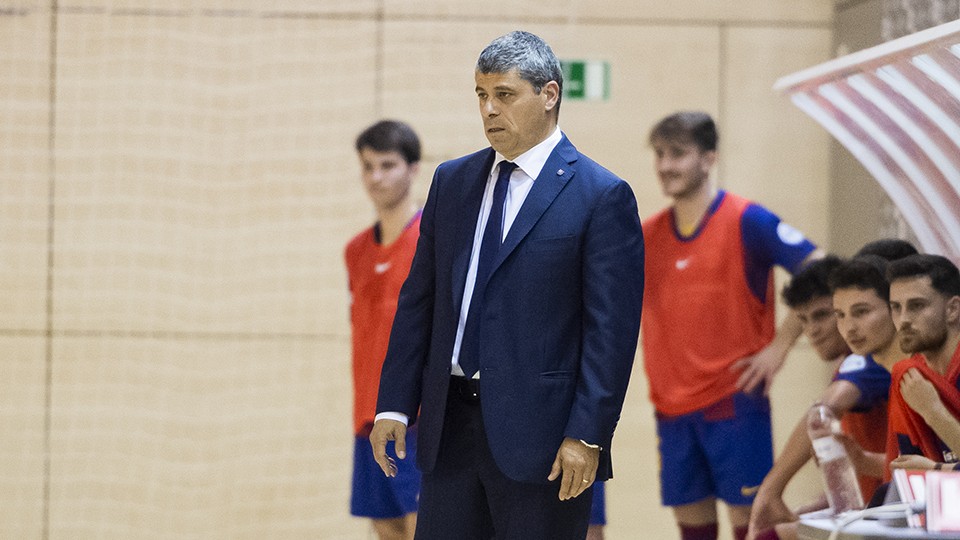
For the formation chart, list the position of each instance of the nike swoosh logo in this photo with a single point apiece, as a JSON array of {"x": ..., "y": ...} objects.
[
  {"x": 682, "y": 263},
  {"x": 381, "y": 267},
  {"x": 749, "y": 491}
]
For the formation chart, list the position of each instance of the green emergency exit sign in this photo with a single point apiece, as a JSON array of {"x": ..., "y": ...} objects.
[{"x": 586, "y": 80}]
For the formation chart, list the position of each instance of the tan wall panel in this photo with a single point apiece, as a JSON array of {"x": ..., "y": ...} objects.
[
  {"x": 237, "y": 8},
  {"x": 774, "y": 154},
  {"x": 200, "y": 439},
  {"x": 24, "y": 7},
  {"x": 206, "y": 182},
  {"x": 633, "y": 495},
  {"x": 797, "y": 386},
  {"x": 428, "y": 79},
  {"x": 770, "y": 150},
  {"x": 24, "y": 168},
  {"x": 22, "y": 446},
  {"x": 653, "y": 72},
  {"x": 861, "y": 211},
  {"x": 201, "y": 172},
  {"x": 647, "y": 10}
]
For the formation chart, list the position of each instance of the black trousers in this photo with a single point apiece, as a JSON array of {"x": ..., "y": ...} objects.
[{"x": 466, "y": 497}]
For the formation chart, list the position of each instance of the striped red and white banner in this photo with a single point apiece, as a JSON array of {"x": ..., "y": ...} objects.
[{"x": 896, "y": 108}]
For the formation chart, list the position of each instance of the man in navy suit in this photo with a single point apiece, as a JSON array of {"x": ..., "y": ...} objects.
[{"x": 517, "y": 327}]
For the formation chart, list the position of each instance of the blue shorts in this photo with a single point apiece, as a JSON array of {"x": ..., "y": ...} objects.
[
  {"x": 374, "y": 494},
  {"x": 723, "y": 451},
  {"x": 598, "y": 510}
]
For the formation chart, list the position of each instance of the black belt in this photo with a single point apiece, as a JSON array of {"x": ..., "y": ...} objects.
[{"x": 464, "y": 388}]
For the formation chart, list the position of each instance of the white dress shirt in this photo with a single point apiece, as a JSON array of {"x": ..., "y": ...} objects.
[{"x": 529, "y": 165}]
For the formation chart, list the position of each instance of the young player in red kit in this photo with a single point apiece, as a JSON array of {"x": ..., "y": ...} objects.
[
  {"x": 709, "y": 338},
  {"x": 378, "y": 260},
  {"x": 925, "y": 393}
]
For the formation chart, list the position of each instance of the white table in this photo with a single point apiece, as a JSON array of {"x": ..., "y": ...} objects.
[{"x": 819, "y": 528}]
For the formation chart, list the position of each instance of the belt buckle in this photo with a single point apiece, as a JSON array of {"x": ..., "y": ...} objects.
[
  {"x": 473, "y": 389},
  {"x": 468, "y": 389}
]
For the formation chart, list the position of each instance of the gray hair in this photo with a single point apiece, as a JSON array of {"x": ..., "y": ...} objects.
[{"x": 526, "y": 52}]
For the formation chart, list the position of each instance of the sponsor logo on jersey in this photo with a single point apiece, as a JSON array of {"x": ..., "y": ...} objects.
[
  {"x": 854, "y": 362},
  {"x": 683, "y": 263},
  {"x": 382, "y": 267},
  {"x": 789, "y": 235}
]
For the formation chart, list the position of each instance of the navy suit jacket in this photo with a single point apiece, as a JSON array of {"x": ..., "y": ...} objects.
[{"x": 560, "y": 320}]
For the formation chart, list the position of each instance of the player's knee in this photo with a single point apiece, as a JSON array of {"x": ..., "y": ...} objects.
[
  {"x": 701, "y": 512},
  {"x": 390, "y": 529}
]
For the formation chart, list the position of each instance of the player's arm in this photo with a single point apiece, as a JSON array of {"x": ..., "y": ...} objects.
[
  {"x": 909, "y": 461},
  {"x": 761, "y": 367},
  {"x": 922, "y": 397},
  {"x": 768, "y": 506},
  {"x": 769, "y": 242},
  {"x": 865, "y": 463}
]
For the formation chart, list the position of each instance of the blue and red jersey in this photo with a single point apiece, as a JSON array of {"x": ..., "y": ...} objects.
[
  {"x": 866, "y": 422},
  {"x": 709, "y": 298}
]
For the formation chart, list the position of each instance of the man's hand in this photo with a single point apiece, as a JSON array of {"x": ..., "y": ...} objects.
[
  {"x": 919, "y": 393},
  {"x": 909, "y": 461},
  {"x": 768, "y": 510},
  {"x": 758, "y": 369},
  {"x": 383, "y": 431},
  {"x": 578, "y": 463}
]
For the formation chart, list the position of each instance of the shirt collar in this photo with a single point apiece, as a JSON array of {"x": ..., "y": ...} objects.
[{"x": 532, "y": 161}]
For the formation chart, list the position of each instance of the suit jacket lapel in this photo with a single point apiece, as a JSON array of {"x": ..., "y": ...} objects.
[
  {"x": 556, "y": 172},
  {"x": 470, "y": 196}
]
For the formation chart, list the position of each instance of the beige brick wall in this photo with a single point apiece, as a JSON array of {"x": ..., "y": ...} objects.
[{"x": 177, "y": 181}]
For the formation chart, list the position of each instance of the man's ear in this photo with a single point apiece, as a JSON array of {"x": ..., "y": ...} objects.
[
  {"x": 551, "y": 93},
  {"x": 709, "y": 159},
  {"x": 953, "y": 310}
]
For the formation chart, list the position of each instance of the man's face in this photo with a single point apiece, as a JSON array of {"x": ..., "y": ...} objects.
[
  {"x": 515, "y": 118},
  {"x": 386, "y": 176},
  {"x": 863, "y": 319},
  {"x": 682, "y": 167},
  {"x": 920, "y": 313},
  {"x": 820, "y": 327}
]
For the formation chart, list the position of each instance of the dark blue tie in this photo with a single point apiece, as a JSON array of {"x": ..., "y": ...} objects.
[{"x": 489, "y": 246}]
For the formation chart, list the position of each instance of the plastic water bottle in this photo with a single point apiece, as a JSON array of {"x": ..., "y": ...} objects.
[{"x": 839, "y": 477}]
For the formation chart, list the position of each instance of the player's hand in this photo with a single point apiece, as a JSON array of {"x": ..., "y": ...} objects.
[
  {"x": 820, "y": 503},
  {"x": 858, "y": 457},
  {"x": 855, "y": 452},
  {"x": 909, "y": 461},
  {"x": 758, "y": 370},
  {"x": 768, "y": 510},
  {"x": 578, "y": 463},
  {"x": 383, "y": 431},
  {"x": 865, "y": 463},
  {"x": 919, "y": 393}
]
